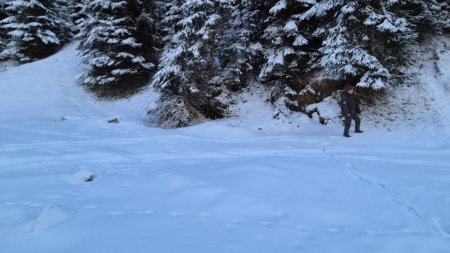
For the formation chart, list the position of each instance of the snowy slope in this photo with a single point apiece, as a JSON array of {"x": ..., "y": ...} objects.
[
  {"x": 421, "y": 104},
  {"x": 245, "y": 184}
]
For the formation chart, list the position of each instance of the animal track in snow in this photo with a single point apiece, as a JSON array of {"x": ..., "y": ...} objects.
[
  {"x": 387, "y": 191},
  {"x": 390, "y": 194}
]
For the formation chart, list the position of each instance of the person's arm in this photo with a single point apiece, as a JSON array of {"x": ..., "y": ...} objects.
[{"x": 344, "y": 105}]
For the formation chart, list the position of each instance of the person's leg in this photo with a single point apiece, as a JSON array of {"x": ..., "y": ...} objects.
[
  {"x": 357, "y": 120},
  {"x": 348, "y": 123}
]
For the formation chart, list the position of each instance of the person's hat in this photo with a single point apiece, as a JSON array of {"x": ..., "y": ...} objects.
[{"x": 349, "y": 87}]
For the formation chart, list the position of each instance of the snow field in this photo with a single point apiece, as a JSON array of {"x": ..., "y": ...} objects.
[{"x": 83, "y": 185}]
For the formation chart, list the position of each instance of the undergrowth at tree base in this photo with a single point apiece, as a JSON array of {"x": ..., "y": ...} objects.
[{"x": 114, "y": 92}]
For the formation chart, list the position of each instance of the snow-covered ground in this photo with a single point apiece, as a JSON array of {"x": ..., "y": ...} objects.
[{"x": 72, "y": 182}]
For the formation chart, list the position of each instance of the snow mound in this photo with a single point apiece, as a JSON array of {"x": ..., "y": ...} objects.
[{"x": 50, "y": 216}]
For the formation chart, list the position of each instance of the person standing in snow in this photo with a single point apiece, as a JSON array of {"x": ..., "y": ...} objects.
[{"x": 350, "y": 108}]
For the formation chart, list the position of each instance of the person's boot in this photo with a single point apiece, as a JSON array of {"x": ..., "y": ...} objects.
[
  {"x": 347, "y": 135},
  {"x": 359, "y": 131}
]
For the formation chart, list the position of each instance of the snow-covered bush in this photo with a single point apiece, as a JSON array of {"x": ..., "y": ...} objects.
[{"x": 173, "y": 111}]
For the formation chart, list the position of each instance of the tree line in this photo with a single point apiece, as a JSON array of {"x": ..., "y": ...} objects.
[{"x": 195, "y": 52}]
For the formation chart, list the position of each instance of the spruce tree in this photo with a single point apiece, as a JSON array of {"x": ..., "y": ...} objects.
[
  {"x": 364, "y": 42},
  {"x": 188, "y": 63},
  {"x": 428, "y": 15},
  {"x": 287, "y": 52},
  {"x": 241, "y": 50},
  {"x": 77, "y": 10},
  {"x": 119, "y": 42},
  {"x": 36, "y": 29},
  {"x": 445, "y": 14},
  {"x": 3, "y": 32},
  {"x": 288, "y": 46}
]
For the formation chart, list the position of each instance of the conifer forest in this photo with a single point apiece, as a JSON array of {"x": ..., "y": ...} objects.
[{"x": 198, "y": 53}]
